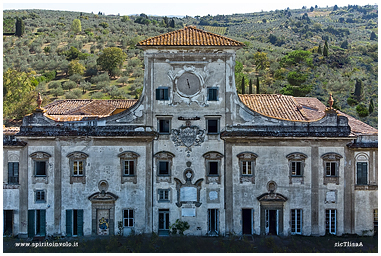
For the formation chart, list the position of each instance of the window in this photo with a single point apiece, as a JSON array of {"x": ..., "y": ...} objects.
[
  {"x": 40, "y": 168},
  {"x": 129, "y": 168},
  {"x": 163, "y": 161},
  {"x": 362, "y": 173},
  {"x": 8, "y": 222},
  {"x": 330, "y": 169},
  {"x": 331, "y": 163},
  {"x": 296, "y": 162},
  {"x": 213, "y": 168},
  {"x": 212, "y": 126},
  {"x": 74, "y": 222},
  {"x": 128, "y": 164},
  {"x": 40, "y": 196},
  {"x": 296, "y": 168},
  {"x": 296, "y": 221},
  {"x": 162, "y": 93},
  {"x": 246, "y": 165},
  {"x": 163, "y": 168},
  {"x": 78, "y": 168},
  {"x": 330, "y": 221},
  {"x": 13, "y": 173},
  {"x": 163, "y": 195},
  {"x": 36, "y": 223},
  {"x": 128, "y": 218},
  {"x": 164, "y": 126},
  {"x": 212, "y": 94},
  {"x": 77, "y": 162},
  {"x": 375, "y": 221}
]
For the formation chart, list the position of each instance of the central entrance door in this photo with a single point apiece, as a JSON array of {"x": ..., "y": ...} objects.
[
  {"x": 247, "y": 221},
  {"x": 272, "y": 222}
]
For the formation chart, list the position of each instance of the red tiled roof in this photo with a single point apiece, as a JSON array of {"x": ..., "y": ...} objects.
[
  {"x": 76, "y": 110},
  {"x": 10, "y": 130},
  {"x": 274, "y": 105},
  {"x": 190, "y": 36}
]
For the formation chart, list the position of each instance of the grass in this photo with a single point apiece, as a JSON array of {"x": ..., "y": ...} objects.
[{"x": 194, "y": 244}]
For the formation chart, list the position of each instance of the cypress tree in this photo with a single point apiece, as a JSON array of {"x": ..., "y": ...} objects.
[
  {"x": 172, "y": 23},
  {"x": 20, "y": 27},
  {"x": 257, "y": 85},
  {"x": 325, "y": 51},
  {"x": 371, "y": 106},
  {"x": 243, "y": 85},
  {"x": 358, "y": 90},
  {"x": 250, "y": 87}
]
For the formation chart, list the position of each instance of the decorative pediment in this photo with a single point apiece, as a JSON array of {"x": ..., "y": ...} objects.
[
  {"x": 272, "y": 197},
  {"x": 40, "y": 155},
  {"x": 103, "y": 196},
  {"x": 213, "y": 155},
  {"x": 296, "y": 156},
  {"x": 331, "y": 156},
  {"x": 128, "y": 155},
  {"x": 164, "y": 155},
  {"x": 247, "y": 156},
  {"x": 77, "y": 155}
]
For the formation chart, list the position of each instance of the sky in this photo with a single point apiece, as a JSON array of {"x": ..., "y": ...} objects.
[{"x": 177, "y": 8}]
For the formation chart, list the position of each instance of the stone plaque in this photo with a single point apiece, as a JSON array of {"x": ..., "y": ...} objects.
[
  {"x": 330, "y": 197},
  {"x": 213, "y": 195},
  {"x": 188, "y": 212},
  {"x": 188, "y": 194}
]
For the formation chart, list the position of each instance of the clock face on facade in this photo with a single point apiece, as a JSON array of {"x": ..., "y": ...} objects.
[{"x": 188, "y": 84}]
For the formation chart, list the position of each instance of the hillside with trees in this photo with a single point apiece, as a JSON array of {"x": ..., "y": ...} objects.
[{"x": 312, "y": 51}]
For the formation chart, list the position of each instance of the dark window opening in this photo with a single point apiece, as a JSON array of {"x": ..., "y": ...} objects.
[
  {"x": 362, "y": 173},
  {"x": 75, "y": 222},
  {"x": 163, "y": 195},
  {"x": 296, "y": 168},
  {"x": 330, "y": 169},
  {"x": 162, "y": 94},
  {"x": 128, "y": 218},
  {"x": 213, "y": 168},
  {"x": 212, "y": 94},
  {"x": 13, "y": 173},
  {"x": 40, "y": 196},
  {"x": 163, "y": 168},
  {"x": 129, "y": 168},
  {"x": 40, "y": 167},
  {"x": 164, "y": 126},
  {"x": 212, "y": 126}
]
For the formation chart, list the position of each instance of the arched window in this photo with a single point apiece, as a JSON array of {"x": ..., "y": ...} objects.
[
  {"x": 77, "y": 162},
  {"x": 128, "y": 165},
  {"x": 296, "y": 164},
  {"x": 213, "y": 167},
  {"x": 362, "y": 167},
  {"x": 247, "y": 166},
  {"x": 331, "y": 164}
]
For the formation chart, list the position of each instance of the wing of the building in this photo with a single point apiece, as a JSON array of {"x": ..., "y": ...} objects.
[{"x": 191, "y": 149}]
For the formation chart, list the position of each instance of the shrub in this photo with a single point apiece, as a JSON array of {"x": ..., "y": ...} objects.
[
  {"x": 180, "y": 226},
  {"x": 362, "y": 110}
]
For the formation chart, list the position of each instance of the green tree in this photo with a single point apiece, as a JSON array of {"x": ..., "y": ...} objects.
[
  {"x": 358, "y": 90},
  {"x": 125, "y": 18},
  {"x": 362, "y": 110},
  {"x": 54, "y": 85},
  {"x": 257, "y": 85},
  {"x": 20, "y": 27},
  {"x": 68, "y": 85},
  {"x": 243, "y": 85},
  {"x": 57, "y": 91},
  {"x": 344, "y": 44},
  {"x": 111, "y": 58},
  {"x": 18, "y": 93},
  {"x": 104, "y": 24},
  {"x": 261, "y": 61},
  {"x": 76, "y": 26},
  {"x": 296, "y": 57},
  {"x": 325, "y": 51},
  {"x": 373, "y": 36},
  {"x": 85, "y": 86},
  {"x": 123, "y": 80},
  {"x": 172, "y": 23},
  {"x": 76, "y": 68},
  {"x": 296, "y": 87},
  {"x": 319, "y": 50},
  {"x": 371, "y": 106},
  {"x": 76, "y": 78},
  {"x": 250, "y": 87}
]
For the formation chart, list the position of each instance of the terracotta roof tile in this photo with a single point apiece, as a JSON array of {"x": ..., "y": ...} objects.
[
  {"x": 274, "y": 105},
  {"x": 77, "y": 110},
  {"x": 10, "y": 130},
  {"x": 190, "y": 36}
]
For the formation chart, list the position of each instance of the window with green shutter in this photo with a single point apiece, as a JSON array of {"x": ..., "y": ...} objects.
[
  {"x": 74, "y": 222},
  {"x": 362, "y": 173},
  {"x": 13, "y": 173}
]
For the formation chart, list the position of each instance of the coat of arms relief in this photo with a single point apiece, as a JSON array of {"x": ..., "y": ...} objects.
[{"x": 188, "y": 136}]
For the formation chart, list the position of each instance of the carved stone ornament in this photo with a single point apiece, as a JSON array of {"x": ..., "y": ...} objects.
[
  {"x": 296, "y": 156},
  {"x": 77, "y": 155},
  {"x": 188, "y": 193},
  {"x": 331, "y": 156},
  {"x": 188, "y": 136},
  {"x": 40, "y": 155},
  {"x": 128, "y": 155}
]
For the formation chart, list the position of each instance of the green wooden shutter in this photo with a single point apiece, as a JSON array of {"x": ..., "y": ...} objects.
[
  {"x": 166, "y": 95},
  {"x": 80, "y": 222},
  {"x": 31, "y": 223},
  {"x": 362, "y": 173},
  {"x": 157, "y": 94},
  {"x": 69, "y": 221},
  {"x": 43, "y": 222}
]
